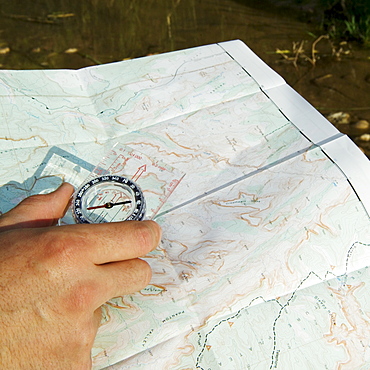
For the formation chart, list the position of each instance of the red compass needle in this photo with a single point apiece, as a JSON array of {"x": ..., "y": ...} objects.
[{"x": 109, "y": 205}]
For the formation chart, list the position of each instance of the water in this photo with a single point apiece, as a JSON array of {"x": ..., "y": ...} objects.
[
  {"x": 38, "y": 33},
  {"x": 75, "y": 34}
]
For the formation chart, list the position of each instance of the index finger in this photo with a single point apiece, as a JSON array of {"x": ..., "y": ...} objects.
[{"x": 116, "y": 241}]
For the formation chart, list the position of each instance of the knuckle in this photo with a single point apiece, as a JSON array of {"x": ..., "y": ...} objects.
[
  {"x": 34, "y": 200},
  {"x": 60, "y": 247},
  {"x": 145, "y": 272},
  {"x": 137, "y": 276},
  {"x": 76, "y": 343},
  {"x": 82, "y": 297},
  {"x": 144, "y": 238}
]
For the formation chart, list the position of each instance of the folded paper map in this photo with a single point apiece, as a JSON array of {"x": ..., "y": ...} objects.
[{"x": 266, "y": 238}]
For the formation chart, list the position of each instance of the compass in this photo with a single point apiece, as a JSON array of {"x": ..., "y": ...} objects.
[{"x": 108, "y": 198}]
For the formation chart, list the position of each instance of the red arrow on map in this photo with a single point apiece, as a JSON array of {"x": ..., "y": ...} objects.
[{"x": 139, "y": 172}]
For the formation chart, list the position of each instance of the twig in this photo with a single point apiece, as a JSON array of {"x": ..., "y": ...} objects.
[
  {"x": 26, "y": 18},
  {"x": 313, "y": 60}
]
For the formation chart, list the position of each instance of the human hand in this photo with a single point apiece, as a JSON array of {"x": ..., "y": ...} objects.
[{"x": 53, "y": 280}]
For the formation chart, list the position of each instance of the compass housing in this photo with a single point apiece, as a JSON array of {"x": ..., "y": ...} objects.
[{"x": 108, "y": 198}]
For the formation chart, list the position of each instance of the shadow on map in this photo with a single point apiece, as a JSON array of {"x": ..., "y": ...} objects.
[{"x": 57, "y": 166}]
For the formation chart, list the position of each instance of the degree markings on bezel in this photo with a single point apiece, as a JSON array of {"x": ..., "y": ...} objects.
[{"x": 98, "y": 213}]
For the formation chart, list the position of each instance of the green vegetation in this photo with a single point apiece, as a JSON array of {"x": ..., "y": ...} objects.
[{"x": 347, "y": 19}]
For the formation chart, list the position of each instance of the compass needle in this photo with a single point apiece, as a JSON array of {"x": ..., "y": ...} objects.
[{"x": 109, "y": 205}]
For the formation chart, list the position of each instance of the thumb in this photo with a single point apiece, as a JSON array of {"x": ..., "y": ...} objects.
[{"x": 38, "y": 210}]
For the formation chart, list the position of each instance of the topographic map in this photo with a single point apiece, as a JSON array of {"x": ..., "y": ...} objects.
[{"x": 266, "y": 236}]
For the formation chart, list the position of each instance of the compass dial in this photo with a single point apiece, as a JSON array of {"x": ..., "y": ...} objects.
[{"x": 108, "y": 198}]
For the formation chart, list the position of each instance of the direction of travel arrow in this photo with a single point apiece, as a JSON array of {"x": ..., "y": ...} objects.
[{"x": 139, "y": 172}]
